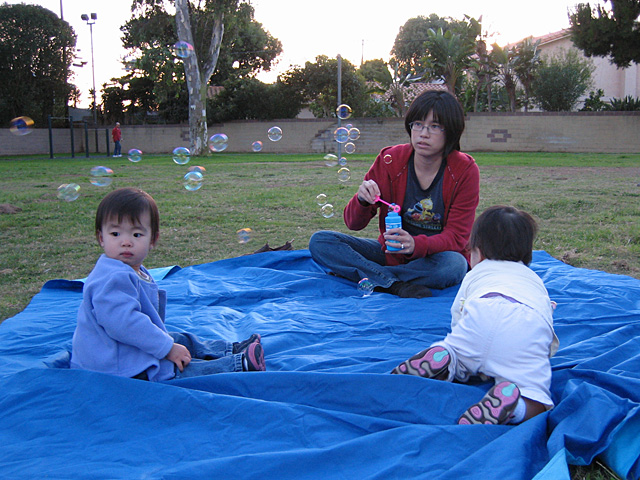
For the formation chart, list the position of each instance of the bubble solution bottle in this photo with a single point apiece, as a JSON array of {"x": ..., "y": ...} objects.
[{"x": 393, "y": 220}]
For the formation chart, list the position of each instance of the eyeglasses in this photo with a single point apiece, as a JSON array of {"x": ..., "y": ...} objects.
[{"x": 433, "y": 129}]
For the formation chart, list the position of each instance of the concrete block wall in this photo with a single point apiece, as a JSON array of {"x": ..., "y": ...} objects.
[{"x": 598, "y": 132}]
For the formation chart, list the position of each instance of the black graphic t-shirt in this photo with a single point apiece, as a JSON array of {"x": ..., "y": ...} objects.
[{"x": 423, "y": 210}]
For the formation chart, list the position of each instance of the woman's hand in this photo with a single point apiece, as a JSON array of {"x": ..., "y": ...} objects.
[
  {"x": 179, "y": 354},
  {"x": 367, "y": 192},
  {"x": 405, "y": 241}
]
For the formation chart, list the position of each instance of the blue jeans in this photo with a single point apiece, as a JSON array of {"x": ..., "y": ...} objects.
[
  {"x": 356, "y": 258},
  {"x": 207, "y": 356},
  {"x": 117, "y": 149}
]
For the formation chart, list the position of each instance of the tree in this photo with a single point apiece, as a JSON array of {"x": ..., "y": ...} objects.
[
  {"x": 598, "y": 32},
  {"x": 449, "y": 53},
  {"x": 401, "y": 91},
  {"x": 409, "y": 46},
  {"x": 36, "y": 52},
  {"x": 249, "y": 98},
  {"x": 525, "y": 65},
  {"x": 504, "y": 59},
  {"x": 151, "y": 33},
  {"x": 318, "y": 83},
  {"x": 561, "y": 80},
  {"x": 203, "y": 24},
  {"x": 376, "y": 71}
]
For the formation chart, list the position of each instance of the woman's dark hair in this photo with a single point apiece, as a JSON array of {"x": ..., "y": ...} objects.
[
  {"x": 447, "y": 111},
  {"x": 130, "y": 203},
  {"x": 504, "y": 233}
]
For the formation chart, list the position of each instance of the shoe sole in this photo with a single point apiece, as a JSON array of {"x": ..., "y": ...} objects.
[
  {"x": 495, "y": 408},
  {"x": 255, "y": 358},
  {"x": 430, "y": 363}
]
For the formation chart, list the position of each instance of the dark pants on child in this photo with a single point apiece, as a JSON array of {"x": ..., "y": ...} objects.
[{"x": 207, "y": 356}]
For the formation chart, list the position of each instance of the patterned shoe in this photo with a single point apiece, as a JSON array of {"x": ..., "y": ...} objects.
[
  {"x": 495, "y": 408},
  {"x": 254, "y": 358},
  {"x": 430, "y": 363},
  {"x": 241, "y": 347}
]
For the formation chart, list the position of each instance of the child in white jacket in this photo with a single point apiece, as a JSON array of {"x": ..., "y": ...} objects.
[{"x": 501, "y": 327}]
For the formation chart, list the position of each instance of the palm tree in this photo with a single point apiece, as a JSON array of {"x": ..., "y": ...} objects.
[
  {"x": 504, "y": 59},
  {"x": 449, "y": 55},
  {"x": 525, "y": 64}
]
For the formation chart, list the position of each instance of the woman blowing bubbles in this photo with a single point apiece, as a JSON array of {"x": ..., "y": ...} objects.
[{"x": 437, "y": 188}]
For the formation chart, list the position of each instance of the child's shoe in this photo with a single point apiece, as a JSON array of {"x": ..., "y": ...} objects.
[
  {"x": 495, "y": 408},
  {"x": 241, "y": 347},
  {"x": 430, "y": 363},
  {"x": 253, "y": 358}
]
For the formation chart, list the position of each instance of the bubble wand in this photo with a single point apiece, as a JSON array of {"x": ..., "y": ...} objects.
[{"x": 393, "y": 206}]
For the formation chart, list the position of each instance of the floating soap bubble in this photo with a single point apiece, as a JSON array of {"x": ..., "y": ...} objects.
[
  {"x": 69, "y": 192},
  {"x": 181, "y": 155},
  {"x": 192, "y": 181},
  {"x": 256, "y": 146},
  {"x": 244, "y": 235},
  {"x": 354, "y": 134},
  {"x": 101, "y": 176},
  {"x": 343, "y": 111},
  {"x": 197, "y": 168},
  {"x": 350, "y": 147},
  {"x": 21, "y": 126},
  {"x": 365, "y": 287},
  {"x": 330, "y": 160},
  {"x": 274, "y": 134},
  {"x": 321, "y": 199},
  {"x": 344, "y": 174},
  {"x": 348, "y": 126},
  {"x": 342, "y": 162},
  {"x": 182, "y": 49},
  {"x": 218, "y": 142},
  {"x": 134, "y": 155},
  {"x": 327, "y": 210},
  {"x": 387, "y": 159},
  {"x": 341, "y": 135}
]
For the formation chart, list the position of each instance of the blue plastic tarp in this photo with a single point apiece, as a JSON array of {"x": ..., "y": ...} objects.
[{"x": 326, "y": 407}]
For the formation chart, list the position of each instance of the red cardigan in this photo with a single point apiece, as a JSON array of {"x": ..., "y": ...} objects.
[{"x": 460, "y": 192}]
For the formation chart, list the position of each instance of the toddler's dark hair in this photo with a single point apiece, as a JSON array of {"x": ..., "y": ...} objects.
[
  {"x": 130, "y": 203},
  {"x": 504, "y": 233},
  {"x": 447, "y": 111}
]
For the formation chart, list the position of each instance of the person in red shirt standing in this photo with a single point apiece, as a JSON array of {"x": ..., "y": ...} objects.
[{"x": 116, "y": 133}]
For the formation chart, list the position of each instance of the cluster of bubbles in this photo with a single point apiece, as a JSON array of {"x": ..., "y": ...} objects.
[
  {"x": 220, "y": 141},
  {"x": 344, "y": 135},
  {"x": 325, "y": 208}
]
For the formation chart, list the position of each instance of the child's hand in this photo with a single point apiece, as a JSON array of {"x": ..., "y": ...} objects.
[{"x": 179, "y": 354}]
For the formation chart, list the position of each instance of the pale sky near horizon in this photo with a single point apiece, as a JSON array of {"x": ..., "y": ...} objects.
[{"x": 354, "y": 29}]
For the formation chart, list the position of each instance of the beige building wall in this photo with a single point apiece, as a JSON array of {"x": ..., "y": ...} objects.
[
  {"x": 596, "y": 132},
  {"x": 615, "y": 82}
]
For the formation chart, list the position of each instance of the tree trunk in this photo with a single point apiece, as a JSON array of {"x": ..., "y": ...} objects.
[{"x": 198, "y": 79}]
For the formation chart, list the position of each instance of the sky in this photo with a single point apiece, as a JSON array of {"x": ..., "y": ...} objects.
[{"x": 354, "y": 29}]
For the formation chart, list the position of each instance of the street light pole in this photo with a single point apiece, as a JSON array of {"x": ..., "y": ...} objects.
[{"x": 90, "y": 22}]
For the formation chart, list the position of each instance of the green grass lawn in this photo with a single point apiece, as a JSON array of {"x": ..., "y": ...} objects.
[{"x": 587, "y": 207}]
